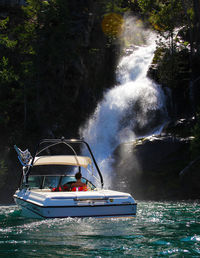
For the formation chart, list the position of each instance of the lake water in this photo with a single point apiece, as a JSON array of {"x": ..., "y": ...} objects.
[{"x": 161, "y": 229}]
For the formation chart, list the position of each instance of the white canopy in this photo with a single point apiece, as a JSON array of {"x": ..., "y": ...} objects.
[{"x": 62, "y": 160}]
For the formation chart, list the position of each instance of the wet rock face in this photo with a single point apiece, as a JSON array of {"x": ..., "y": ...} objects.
[
  {"x": 150, "y": 167},
  {"x": 143, "y": 122},
  {"x": 190, "y": 178},
  {"x": 143, "y": 119},
  {"x": 181, "y": 127}
]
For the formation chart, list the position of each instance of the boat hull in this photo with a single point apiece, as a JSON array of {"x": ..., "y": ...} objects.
[{"x": 79, "y": 204}]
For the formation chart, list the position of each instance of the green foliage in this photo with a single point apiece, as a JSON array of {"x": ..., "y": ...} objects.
[
  {"x": 4, "y": 38},
  {"x": 163, "y": 15},
  {"x": 175, "y": 22},
  {"x": 8, "y": 94},
  {"x": 172, "y": 68},
  {"x": 116, "y": 6},
  {"x": 168, "y": 17},
  {"x": 3, "y": 23},
  {"x": 147, "y": 5},
  {"x": 190, "y": 12},
  {"x": 7, "y": 74}
]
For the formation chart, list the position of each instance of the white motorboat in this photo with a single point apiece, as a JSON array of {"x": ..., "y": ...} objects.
[{"x": 46, "y": 189}]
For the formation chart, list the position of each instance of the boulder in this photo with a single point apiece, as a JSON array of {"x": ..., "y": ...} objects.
[{"x": 149, "y": 168}]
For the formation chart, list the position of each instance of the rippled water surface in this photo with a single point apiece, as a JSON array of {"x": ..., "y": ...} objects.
[{"x": 160, "y": 229}]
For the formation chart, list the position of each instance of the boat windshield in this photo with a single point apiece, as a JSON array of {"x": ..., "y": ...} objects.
[{"x": 52, "y": 181}]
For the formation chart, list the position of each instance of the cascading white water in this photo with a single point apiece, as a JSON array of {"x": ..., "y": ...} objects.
[{"x": 134, "y": 107}]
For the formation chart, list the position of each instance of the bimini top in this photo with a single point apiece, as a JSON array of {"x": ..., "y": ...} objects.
[{"x": 70, "y": 160}]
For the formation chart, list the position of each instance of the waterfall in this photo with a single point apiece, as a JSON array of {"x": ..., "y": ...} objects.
[{"x": 132, "y": 108}]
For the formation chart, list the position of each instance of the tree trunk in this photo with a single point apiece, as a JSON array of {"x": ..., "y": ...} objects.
[
  {"x": 191, "y": 84},
  {"x": 196, "y": 6}
]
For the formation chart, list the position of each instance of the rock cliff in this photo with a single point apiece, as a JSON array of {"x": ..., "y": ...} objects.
[{"x": 150, "y": 169}]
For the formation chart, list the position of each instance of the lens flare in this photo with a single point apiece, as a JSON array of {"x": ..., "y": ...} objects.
[{"x": 112, "y": 24}]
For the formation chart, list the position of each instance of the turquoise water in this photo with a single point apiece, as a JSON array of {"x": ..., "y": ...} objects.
[{"x": 161, "y": 229}]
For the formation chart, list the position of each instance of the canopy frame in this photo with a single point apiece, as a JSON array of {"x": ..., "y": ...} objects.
[{"x": 68, "y": 142}]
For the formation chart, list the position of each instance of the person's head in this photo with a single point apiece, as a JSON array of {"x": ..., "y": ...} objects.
[{"x": 78, "y": 175}]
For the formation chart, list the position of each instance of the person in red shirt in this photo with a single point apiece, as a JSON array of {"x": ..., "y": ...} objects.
[{"x": 79, "y": 184}]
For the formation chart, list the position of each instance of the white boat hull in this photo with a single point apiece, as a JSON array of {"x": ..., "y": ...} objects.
[{"x": 102, "y": 203}]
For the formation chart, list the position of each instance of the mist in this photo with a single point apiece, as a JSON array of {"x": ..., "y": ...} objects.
[{"x": 133, "y": 108}]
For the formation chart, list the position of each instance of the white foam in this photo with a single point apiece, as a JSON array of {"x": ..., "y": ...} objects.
[{"x": 124, "y": 106}]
